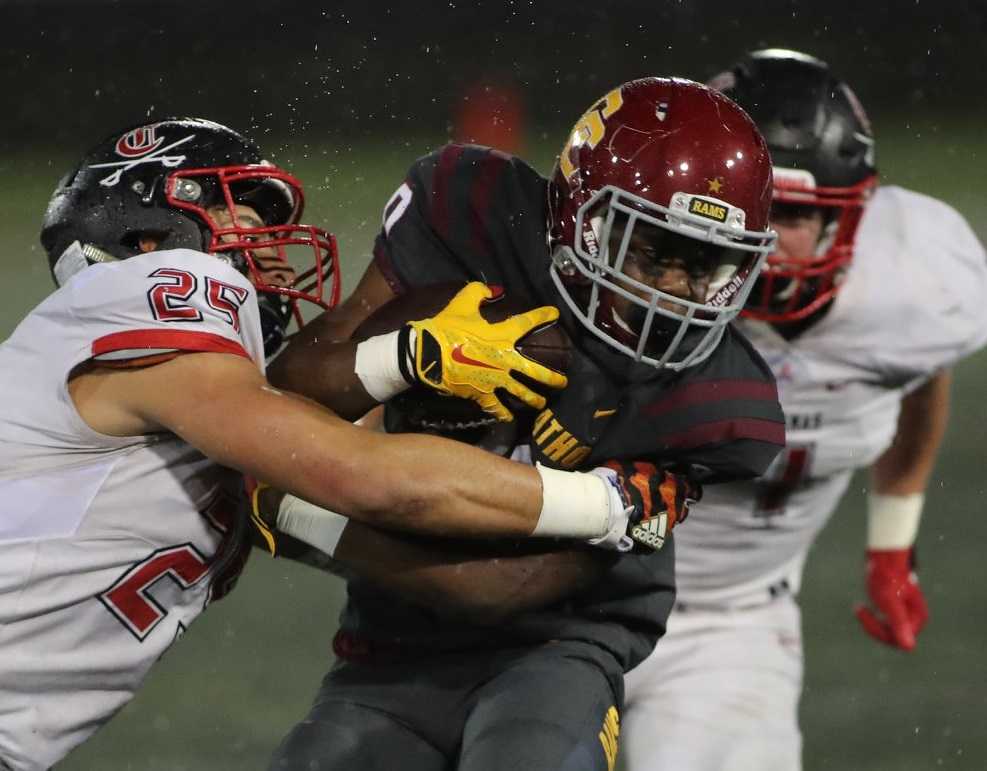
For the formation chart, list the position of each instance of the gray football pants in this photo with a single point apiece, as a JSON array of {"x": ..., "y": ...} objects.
[{"x": 554, "y": 706}]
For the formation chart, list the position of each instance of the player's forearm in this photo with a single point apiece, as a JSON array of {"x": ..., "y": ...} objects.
[
  {"x": 431, "y": 485},
  {"x": 906, "y": 466},
  {"x": 484, "y": 584},
  {"x": 305, "y": 362},
  {"x": 406, "y": 482}
]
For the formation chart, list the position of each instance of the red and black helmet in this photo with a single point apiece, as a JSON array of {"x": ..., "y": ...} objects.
[
  {"x": 822, "y": 147},
  {"x": 162, "y": 179},
  {"x": 670, "y": 153}
]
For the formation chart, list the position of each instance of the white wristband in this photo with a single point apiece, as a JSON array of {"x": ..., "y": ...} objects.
[
  {"x": 574, "y": 504},
  {"x": 378, "y": 365},
  {"x": 312, "y": 524},
  {"x": 892, "y": 520}
]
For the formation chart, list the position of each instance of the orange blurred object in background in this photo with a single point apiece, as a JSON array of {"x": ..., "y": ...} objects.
[{"x": 491, "y": 114}]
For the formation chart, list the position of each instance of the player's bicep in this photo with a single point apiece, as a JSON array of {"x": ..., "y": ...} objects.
[
  {"x": 222, "y": 405},
  {"x": 178, "y": 392},
  {"x": 235, "y": 417}
]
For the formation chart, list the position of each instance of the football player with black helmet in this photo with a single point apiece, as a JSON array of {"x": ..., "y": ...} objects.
[
  {"x": 130, "y": 392},
  {"x": 648, "y": 237},
  {"x": 179, "y": 182},
  {"x": 870, "y": 297}
]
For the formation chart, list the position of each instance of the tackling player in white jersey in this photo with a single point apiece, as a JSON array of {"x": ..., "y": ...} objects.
[
  {"x": 127, "y": 391},
  {"x": 862, "y": 352}
]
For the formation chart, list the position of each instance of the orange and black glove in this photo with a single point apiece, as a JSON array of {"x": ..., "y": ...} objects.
[{"x": 660, "y": 500}]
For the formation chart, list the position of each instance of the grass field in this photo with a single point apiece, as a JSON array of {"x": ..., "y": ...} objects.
[{"x": 223, "y": 697}]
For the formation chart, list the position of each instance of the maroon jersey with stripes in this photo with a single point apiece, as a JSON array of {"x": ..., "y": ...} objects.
[{"x": 471, "y": 213}]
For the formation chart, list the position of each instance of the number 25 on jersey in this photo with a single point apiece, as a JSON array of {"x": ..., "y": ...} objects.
[{"x": 169, "y": 297}]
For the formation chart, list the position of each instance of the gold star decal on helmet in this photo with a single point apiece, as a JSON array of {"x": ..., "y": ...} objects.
[{"x": 714, "y": 184}]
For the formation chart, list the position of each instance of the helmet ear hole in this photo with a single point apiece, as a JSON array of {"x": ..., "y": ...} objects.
[{"x": 132, "y": 241}]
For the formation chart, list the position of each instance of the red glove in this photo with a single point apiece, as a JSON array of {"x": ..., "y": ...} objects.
[{"x": 892, "y": 586}]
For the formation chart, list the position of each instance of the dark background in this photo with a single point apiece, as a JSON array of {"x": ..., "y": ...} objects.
[
  {"x": 357, "y": 69},
  {"x": 346, "y": 95}
]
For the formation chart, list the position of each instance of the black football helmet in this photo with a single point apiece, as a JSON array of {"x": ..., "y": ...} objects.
[
  {"x": 822, "y": 150},
  {"x": 161, "y": 180}
]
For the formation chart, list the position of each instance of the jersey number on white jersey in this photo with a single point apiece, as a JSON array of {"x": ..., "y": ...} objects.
[
  {"x": 787, "y": 474},
  {"x": 169, "y": 298},
  {"x": 130, "y": 598}
]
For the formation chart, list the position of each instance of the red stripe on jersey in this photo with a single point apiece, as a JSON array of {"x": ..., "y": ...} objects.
[
  {"x": 448, "y": 157},
  {"x": 138, "y": 339},
  {"x": 481, "y": 192},
  {"x": 712, "y": 391},
  {"x": 720, "y": 431},
  {"x": 383, "y": 261}
]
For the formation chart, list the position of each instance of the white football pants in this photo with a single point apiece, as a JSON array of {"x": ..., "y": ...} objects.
[{"x": 720, "y": 692}]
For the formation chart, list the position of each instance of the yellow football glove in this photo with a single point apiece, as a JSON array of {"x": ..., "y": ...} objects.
[{"x": 458, "y": 353}]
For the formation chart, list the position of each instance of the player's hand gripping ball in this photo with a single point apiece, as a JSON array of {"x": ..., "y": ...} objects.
[
  {"x": 544, "y": 347},
  {"x": 657, "y": 501},
  {"x": 460, "y": 353}
]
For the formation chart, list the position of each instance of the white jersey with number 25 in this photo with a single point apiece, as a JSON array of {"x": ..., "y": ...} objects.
[{"x": 109, "y": 546}]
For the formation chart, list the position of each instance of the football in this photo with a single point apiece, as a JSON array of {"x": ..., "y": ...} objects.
[{"x": 424, "y": 410}]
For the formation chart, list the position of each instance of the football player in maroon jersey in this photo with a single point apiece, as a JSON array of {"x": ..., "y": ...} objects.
[{"x": 647, "y": 237}]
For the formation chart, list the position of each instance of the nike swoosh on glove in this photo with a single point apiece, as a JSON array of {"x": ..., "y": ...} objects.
[{"x": 459, "y": 353}]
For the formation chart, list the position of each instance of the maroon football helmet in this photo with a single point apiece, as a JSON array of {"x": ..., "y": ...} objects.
[{"x": 676, "y": 155}]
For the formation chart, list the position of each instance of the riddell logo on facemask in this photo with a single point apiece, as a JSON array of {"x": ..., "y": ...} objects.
[
  {"x": 592, "y": 245},
  {"x": 725, "y": 294}
]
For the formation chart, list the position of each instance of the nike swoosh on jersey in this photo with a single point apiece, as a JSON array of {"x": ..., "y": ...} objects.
[{"x": 457, "y": 355}]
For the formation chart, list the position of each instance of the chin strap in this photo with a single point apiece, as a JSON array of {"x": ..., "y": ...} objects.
[
  {"x": 76, "y": 257},
  {"x": 275, "y": 315}
]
